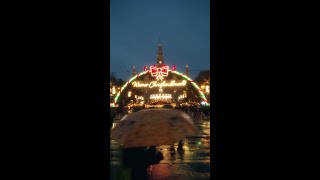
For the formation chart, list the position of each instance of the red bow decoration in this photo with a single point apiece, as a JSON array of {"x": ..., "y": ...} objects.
[{"x": 159, "y": 72}]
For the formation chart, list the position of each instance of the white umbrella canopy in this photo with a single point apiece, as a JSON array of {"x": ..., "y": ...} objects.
[{"x": 152, "y": 127}]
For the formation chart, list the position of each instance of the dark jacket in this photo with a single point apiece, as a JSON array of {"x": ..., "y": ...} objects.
[{"x": 136, "y": 160}]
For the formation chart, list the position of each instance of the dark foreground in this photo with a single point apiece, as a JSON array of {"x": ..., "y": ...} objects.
[{"x": 191, "y": 163}]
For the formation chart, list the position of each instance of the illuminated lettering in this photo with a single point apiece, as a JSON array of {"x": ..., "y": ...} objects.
[{"x": 156, "y": 84}]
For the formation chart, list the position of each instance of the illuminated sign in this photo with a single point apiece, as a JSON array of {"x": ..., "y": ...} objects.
[
  {"x": 160, "y": 96},
  {"x": 159, "y": 73},
  {"x": 156, "y": 84},
  {"x": 174, "y": 68}
]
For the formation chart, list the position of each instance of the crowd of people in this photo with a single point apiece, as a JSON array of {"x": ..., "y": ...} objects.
[{"x": 196, "y": 112}]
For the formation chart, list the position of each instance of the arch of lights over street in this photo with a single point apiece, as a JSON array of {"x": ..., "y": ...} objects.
[{"x": 160, "y": 74}]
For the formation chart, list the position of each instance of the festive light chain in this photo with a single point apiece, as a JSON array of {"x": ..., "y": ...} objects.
[
  {"x": 193, "y": 83},
  {"x": 175, "y": 72}
]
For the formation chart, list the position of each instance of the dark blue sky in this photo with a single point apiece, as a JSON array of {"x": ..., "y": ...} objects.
[{"x": 182, "y": 25}]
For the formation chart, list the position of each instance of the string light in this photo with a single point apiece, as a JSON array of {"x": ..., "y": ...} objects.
[
  {"x": 175, "y": 72},
  {"x": 160, "y": 96}
]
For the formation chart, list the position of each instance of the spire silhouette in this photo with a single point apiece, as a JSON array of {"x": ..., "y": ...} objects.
[
  {"x": 160, "y": 60},
  {"x": 134, "y": 71},
  {"x": 187, "y": 70}
]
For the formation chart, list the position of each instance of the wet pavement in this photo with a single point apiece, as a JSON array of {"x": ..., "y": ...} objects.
[{"x": 191, "y": 163}]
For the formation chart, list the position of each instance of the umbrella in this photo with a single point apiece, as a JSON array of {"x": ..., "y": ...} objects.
[{"x": 152, "y": 127}]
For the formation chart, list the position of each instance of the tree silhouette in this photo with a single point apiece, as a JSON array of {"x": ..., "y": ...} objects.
[
  {"x": 115, "y": 80},
  {"x": 203, "y": 76}
]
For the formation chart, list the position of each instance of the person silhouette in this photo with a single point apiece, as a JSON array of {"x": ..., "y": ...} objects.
[
  {"x": 180, "y": 146},
  {"x": 139, "y": 159},
  {"x": 154, "y": 156},
  {"x": 136, "y": 160}
]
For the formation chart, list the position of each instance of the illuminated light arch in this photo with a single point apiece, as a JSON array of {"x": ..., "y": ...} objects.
[
  {"x": 126, "y": 84},
  {"x": 202, "y": 96}
]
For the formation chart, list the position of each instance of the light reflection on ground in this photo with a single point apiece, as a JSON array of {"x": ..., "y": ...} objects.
[{"x": 193, "y": 162}]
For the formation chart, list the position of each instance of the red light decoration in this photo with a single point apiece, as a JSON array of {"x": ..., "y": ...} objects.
[
  {"x": 145, "y": 68},
  {"x": 173, "y": 67},
  {"x": 159, "y": 73}
]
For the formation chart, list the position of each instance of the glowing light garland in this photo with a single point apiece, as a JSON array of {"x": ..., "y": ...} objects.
[
  {"x": 125, "y": 85},
  {"x": 203, "y": 97},
  {"x": 160, "y": 96},
  {"x": 159, "y": 73},
  {"x": 156, "y": 84},
  {"x": 194, "y": 85}
]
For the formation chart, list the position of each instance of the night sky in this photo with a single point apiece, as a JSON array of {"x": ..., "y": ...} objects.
[{"x": 182, "y": 25}]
